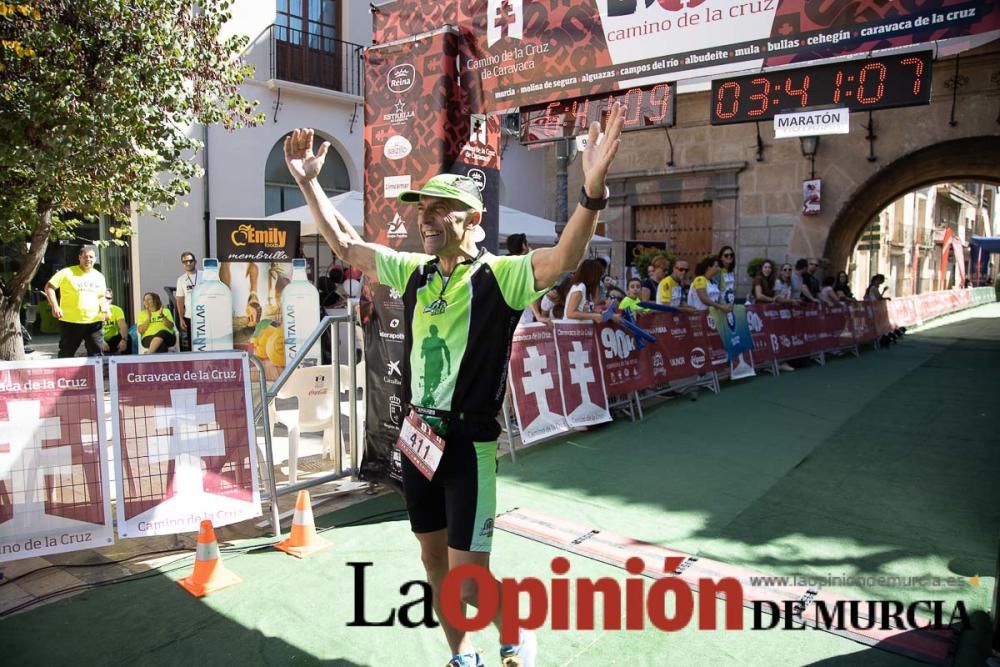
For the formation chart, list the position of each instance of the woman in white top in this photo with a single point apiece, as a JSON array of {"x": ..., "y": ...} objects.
[
  {"x": 783, "y": 285},
  {"x": 585, "y": 292},
  {"x": 726, "y": 277},
  {"x": 705, "y": 293}
]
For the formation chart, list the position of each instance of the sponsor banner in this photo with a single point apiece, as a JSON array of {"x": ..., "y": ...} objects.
[
  {"x": 765, "y": 343},
  {"x": 535, "y": 383},
  {"x": 862, "y": 322},
  {"x": 903, "y": 312},
  {"x": 515, "y": 53},
  {"x": 185, "y": 442},
  {"x": 414, "y": 129},
  {"x": 812, "y": 123},
  {"x": 385, "y": 398},
  {"x": 837, "y": 331},
  {"x": 581, "y": 377},
  {"x": 679, "y": 352},
  {"x": 880, "y": 311},
  {"x": 626, "y": 369},
  {"x": 53, "y": 459},
  {"x": 784, "y": 325},
  {"x": 255, "y": 240}
]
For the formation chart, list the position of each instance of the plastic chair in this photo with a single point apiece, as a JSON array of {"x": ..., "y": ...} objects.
[{"x": 312, "y": 386}]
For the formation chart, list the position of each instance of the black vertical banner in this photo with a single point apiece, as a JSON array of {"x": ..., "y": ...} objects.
[
  {"x": 479, "y": 159},
  {"x": 415, "y": 128}
]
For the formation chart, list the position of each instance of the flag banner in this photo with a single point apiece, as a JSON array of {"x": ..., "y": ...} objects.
[
  {"x": 734, "y": 330},
  {"x": 581, "y": 378},
  {"x": 535, "y": 383},
  {"x": 185, "y": 443},
  {"x": 516, "y": 53},
  {"x": 717, "y": 355},
  {"x": 53, "y": 458}
]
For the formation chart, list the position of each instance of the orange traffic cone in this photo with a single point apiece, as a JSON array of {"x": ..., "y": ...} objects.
[
  {"x": 303, "y": 540},
  {"x": 209, "y": 574}
]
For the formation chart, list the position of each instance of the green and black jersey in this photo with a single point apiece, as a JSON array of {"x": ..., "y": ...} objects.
[{"x": 458, "y": 329}]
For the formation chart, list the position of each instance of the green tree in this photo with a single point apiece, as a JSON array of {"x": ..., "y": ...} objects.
[{"x": 98, "y": 99}]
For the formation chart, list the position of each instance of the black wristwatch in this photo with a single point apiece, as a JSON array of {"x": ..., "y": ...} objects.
[{"x": 594, "y": 204}]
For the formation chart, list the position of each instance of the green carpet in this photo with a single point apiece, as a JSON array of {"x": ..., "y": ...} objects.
[{"x": 883, "y": 465}]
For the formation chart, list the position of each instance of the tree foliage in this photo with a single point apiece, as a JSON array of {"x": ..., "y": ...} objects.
[{"x": 97, "y": 102}]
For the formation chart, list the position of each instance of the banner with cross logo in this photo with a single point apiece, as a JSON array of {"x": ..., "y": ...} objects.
[
  {"x": 53, "y": 462},
  {"x": 185, "y": 445}
]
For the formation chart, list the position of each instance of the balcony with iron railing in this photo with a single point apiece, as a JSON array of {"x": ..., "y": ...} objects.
[{"x": 316, "y": 60}]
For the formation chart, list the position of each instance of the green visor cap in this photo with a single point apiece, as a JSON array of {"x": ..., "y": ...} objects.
[{"x": 447, "y": 186}]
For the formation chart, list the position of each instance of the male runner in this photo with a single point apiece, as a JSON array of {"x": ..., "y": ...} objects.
[{"x": 474, "y": 300}]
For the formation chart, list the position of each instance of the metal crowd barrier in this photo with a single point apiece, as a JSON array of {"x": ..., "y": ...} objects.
[{"x": 267, "y": 396}]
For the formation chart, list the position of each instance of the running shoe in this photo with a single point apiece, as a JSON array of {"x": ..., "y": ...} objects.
[{"x": 522, "y": 654}]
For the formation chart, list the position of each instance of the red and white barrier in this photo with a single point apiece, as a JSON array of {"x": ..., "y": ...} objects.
[
  {"x": 53, "y": 462},
  {"x": 184, "y": 440}
]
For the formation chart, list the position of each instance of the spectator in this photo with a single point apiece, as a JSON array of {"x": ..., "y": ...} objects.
[
  {"x": 800, "y": 290},
  {"x": 185, "y": 287},
  {"x": 783, "y": 285},
  {"x": 657, "y": 269},
  {"x": 810, "y": 278},
  {"x": 726, "y": 278},
  {"x": 517, "y": 244},
  {"x": 584, "y": 293},
  {"x": 155, "y": 324},
  {"x": 671, "y": 291},
  {"x": 875, "y": 291},
  {"x": 631, "y": 301},
  {"x": 827, "y": 294},
  {"x": 116, "y": 338},
  {"x": 763, "y": 284},
  {"x": 704, "y": 292},
  {"x": 81, "y": 308},
  {"x": 843, "y": 288}
]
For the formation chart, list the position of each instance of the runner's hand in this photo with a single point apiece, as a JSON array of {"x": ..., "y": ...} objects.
[
  {"x": 597, "y": 159},
  {"x": 302, "y": 163}
]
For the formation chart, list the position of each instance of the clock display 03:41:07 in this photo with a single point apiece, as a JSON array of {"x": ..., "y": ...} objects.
[{"x": 859, "y": 85}]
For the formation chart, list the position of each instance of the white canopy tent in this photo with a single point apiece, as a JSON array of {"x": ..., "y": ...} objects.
[{"x": 541, "y": 232}]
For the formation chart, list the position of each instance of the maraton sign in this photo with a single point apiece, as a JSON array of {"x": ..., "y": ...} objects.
[{"x": 255, "y": 240}]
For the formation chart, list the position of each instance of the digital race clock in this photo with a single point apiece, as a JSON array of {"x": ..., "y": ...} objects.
[
  {"x": 644, "y": 107},
  {"x": 859, "y": 85}
]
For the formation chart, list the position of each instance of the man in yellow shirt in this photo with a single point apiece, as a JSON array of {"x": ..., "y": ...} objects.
[
  {"x": 671, "y": 290},
  {"x": 82, "y": 306},
  {"x": 116, "y": 338}
]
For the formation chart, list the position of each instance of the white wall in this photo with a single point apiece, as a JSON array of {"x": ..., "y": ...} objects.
[{"x": 235, "y": 171}]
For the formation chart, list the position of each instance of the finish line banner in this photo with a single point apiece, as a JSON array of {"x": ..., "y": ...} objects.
[
  {"x": 185, "y": 445},
  {"x": 517, "y": 53},
  {"x": 53, "y": 460}
]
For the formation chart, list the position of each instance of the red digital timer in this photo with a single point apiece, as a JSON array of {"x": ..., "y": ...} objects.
[
  {"x": 644, "y": 107},
  {"x": 859, "y": 85}
]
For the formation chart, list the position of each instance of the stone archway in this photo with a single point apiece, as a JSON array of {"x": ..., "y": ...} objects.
[{"x": 965, "y": 160}]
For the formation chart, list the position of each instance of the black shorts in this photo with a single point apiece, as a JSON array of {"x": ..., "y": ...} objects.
[
  {"x": 462, "y": 495},
  {"x": 167, "y": 337}
]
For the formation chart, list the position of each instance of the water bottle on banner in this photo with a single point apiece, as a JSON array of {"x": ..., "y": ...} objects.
[
  {"x": 211, "y": 311},
  {"x": 300, "y": 314}
]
